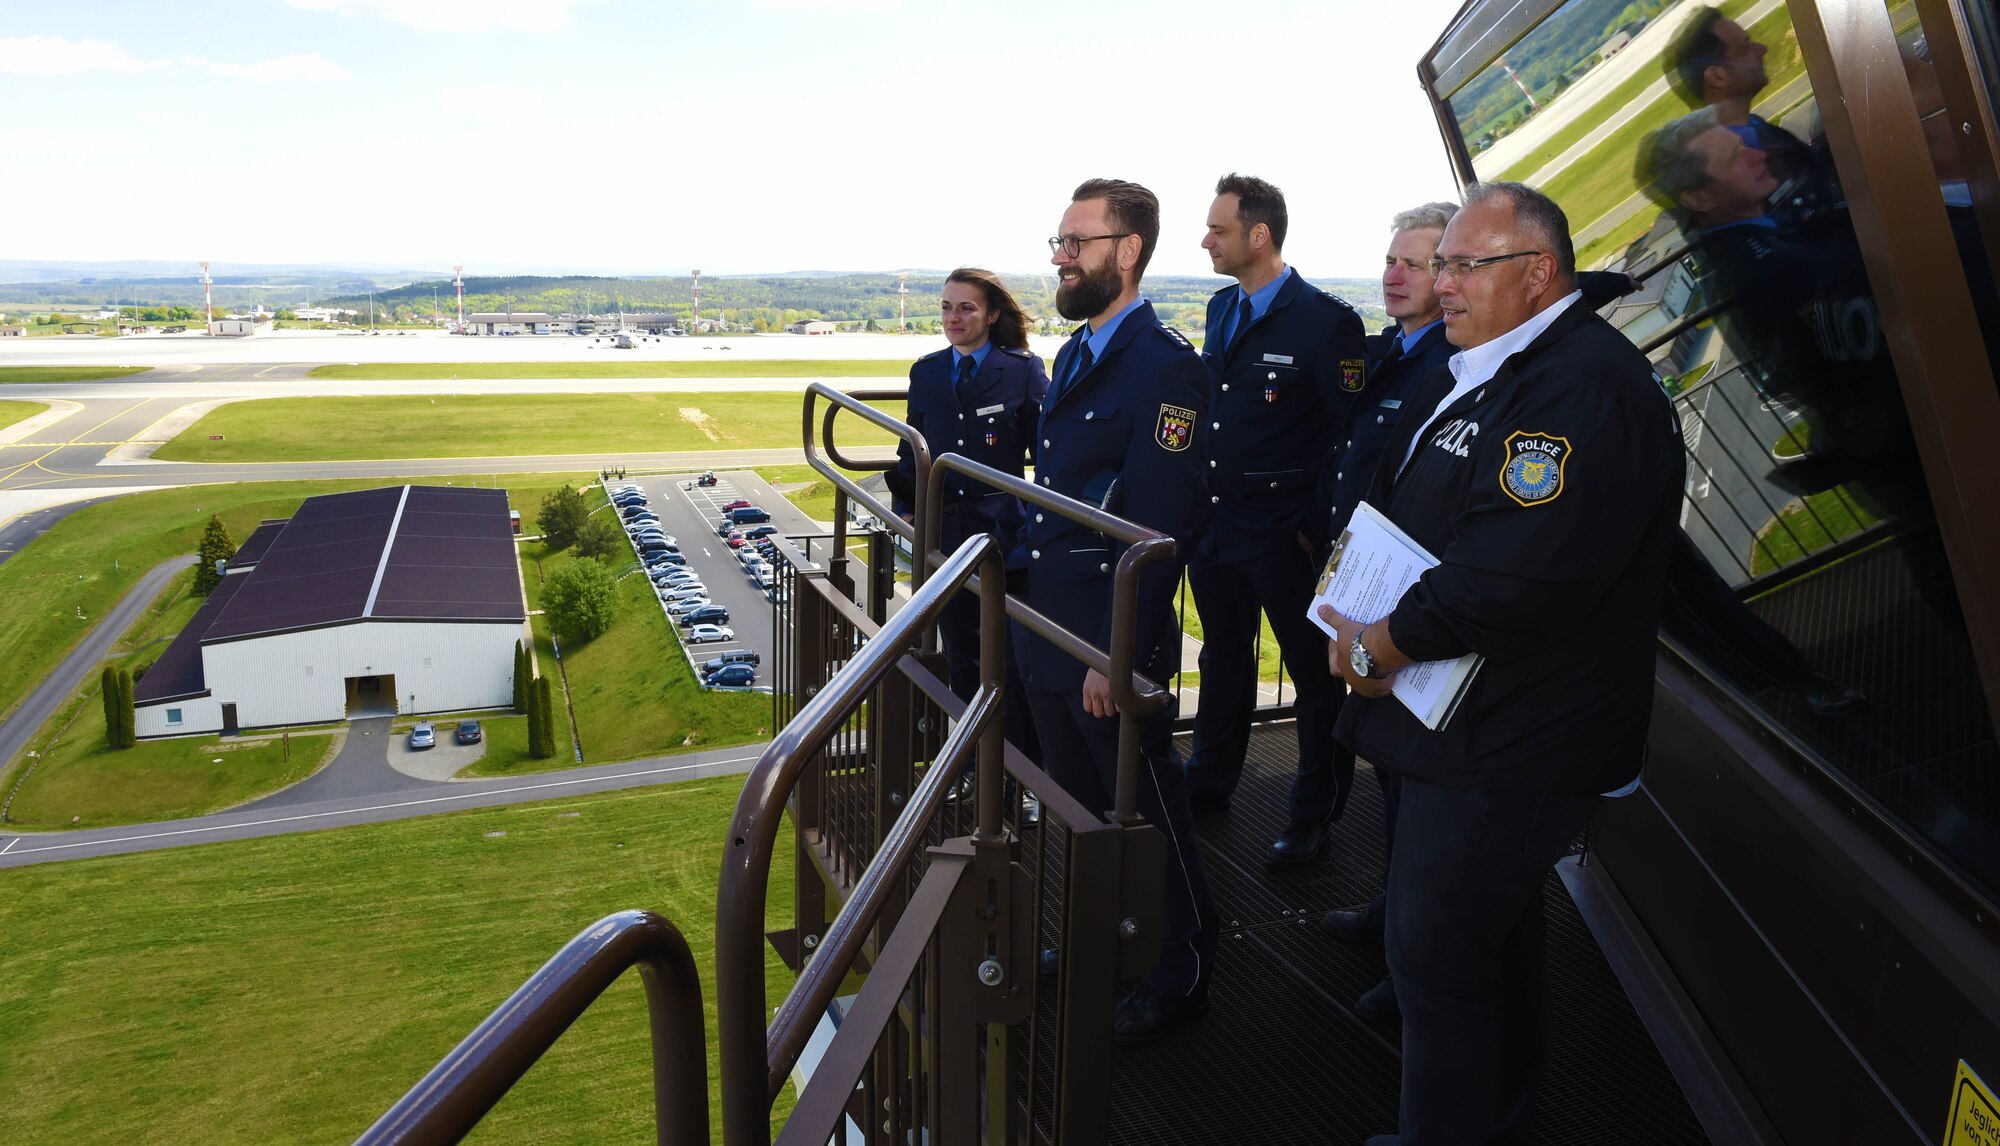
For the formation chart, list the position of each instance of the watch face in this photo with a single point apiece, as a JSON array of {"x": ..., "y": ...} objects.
[{"x": 1357, "y": 656}]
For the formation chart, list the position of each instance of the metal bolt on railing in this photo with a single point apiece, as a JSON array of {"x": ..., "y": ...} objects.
[
  {"x": 1128, "y": 928},
  {"x": 895, "y": 799},
  {"x": 809, "y": 942},
  {"x": 992, "y": 973}
]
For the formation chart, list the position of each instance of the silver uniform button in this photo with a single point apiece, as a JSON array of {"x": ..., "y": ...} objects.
[
  {"x": 1336, "y": 477},
  {"x": 1038, "y": 517},
  {"x": 1089, "y": 414},
  {"x": 1215, "y": 501},
  {"x": 1274, "y": 375},
  {"x": 1274, "y": 485},
  {"x": 1378, "y": 419},
  {"x": 961, "y": 441},
  {"x": 961, "y": 417},
  {"x": 1211, "y": 465},
  {"x": 1045, "y": 443},
  {"x": 1215, "y": 425},
  {"x": 1045, "y": 481},
  {"x": 1225, "y": 385},
  {"x": 1104, "y": 568},
  {"x": 1035, "y": 553}
]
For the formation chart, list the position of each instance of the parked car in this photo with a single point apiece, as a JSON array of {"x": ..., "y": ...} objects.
[
  {"x": 748, "y": 553},
  {"x": 748, "y": 515},
  {"x": 706, "y": 479},
  {"x": 711, "y": 615},
  {"x": 757, "y": 531},
  {"x": 732, "y": 657},
  {"x": 468, "y": 732},
  {"x": 706, "y": 634},
  {"x": 423, "y": 735},
  {"x": 736, "y": 541},
  {"x": 683, "y": 608},
  {"x": 685, "y": 593},
  {"x": 739, "y": 503},
  {"x": 732, "y": 676},
  {"x": 668, "y": 559}
]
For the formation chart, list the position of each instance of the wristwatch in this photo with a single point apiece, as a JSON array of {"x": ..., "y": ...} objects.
[{"x": 1363, "y": 662}]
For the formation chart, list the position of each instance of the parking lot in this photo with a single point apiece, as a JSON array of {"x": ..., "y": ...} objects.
[{"x": 690, "y": 513}]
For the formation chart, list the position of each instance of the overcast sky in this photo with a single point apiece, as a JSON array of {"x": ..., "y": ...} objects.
[{"x": 737, "y": 136}]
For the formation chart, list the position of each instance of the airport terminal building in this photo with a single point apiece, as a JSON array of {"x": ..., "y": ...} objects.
[{"x": 397, "y": 600}]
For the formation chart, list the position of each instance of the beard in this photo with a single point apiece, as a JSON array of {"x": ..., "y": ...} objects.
[{"x": 1089, "y": 293}]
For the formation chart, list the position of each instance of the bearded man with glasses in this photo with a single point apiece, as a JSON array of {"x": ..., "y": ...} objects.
[
  {"x": 1544, "y": 470},
  {"x": 1119, "y": 429}
]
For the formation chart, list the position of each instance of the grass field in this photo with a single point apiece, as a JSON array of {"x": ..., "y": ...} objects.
[
  {"x": 79, "y": 782},
  {"x": 748, "y": 368},
  {"x": 494, "y": 425},
  {"x": 12, "y": 412},
  {"x": 94, "y": 556},
  {"x": 1804, "y": 526},
  {"x": 68, "y": 373},
  {"x": 633, "y": 692},
  {"x": 290, "y": 989}
]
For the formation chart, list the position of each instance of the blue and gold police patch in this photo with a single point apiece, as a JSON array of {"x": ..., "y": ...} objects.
[
  {"x": 1176, "y": 428},
  {"x": 1353, "y": 374},
  {"x": 1532, "y": 473}
]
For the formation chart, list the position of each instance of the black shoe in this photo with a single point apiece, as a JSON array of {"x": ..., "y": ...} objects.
[
  {"x": 1301, "y": 842},
  {"x": 1149, "y": 1013},
  {"x": 1363, "y": 926},
  {"x": 1204, "y": 803},
  {"x": 1378, "y": 1003}
]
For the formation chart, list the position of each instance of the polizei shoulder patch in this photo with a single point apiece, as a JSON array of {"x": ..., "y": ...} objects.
[{"x": 1176, "y": 428}]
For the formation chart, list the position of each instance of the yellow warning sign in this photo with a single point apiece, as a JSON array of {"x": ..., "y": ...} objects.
[{"x": 1975, "y": 1113}]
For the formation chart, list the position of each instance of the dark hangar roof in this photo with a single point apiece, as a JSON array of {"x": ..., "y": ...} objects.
[
  {"x": 396, "y": 554},
  {"x": 253, "y": 547},
  {"x": 178, "y": 672}
]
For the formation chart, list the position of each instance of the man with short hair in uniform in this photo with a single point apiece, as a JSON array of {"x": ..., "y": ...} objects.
[
  {"x": 1286, "y": 363},
  {"x": 1543, "y": 469},
  {"x": 1409, "y": 350},
  {"x": 1119, "y": 429},
  {"x": 1714, "y": 63},
  {"x": 979, "y": 397}
]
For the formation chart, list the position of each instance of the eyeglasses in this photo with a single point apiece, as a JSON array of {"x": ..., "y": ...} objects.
[
  {"x": 1458, "y": 265},
  {"x": 1069, "y": 245}
]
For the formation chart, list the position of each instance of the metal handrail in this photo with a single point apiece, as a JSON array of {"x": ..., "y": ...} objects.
[
  {"x": 743, "y": 892},
  {"x": 792, "y": 1026},
  {"x": 449, "y": 1101},
  {"x": 856, "y": 401}
]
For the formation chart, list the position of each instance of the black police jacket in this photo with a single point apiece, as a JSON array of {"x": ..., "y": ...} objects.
[
  {"x": 1551, "y": 497},
  {"x": 1278, "y": 404},
  {"x": 1129, "y": 427},
  {"x": 992, "y": 423},
  {"x": 1392, "y": 384}
]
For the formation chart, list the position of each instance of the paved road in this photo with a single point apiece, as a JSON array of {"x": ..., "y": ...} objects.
[
  {"x": 254, "y": 821},
  {"x": 42, "y": 703}
]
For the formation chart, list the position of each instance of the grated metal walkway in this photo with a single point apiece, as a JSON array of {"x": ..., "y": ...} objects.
[{"x": 1280, "y": 1057}]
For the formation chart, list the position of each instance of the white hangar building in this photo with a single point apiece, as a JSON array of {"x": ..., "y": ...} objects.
[{"x": 405, "y": 599}]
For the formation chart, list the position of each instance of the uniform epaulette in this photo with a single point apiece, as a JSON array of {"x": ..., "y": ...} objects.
[
  {"x": 1223, "y": 291},
  {"x": 1174, "y": 336},
  {"x": 935, "y": 354},
  {"x": 1334, "y": 298},
  {"x": 1018, "y": 351}
]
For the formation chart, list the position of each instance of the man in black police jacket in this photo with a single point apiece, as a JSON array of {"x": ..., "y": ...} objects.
[
  {"x": 1119, "y": 429},
  {"x": 1286, "y": 364},
  {"x": 979, "y": 397},
  {"x": 1544, "y": 471}
]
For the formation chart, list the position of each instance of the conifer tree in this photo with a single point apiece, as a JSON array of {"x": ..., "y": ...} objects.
[
  {"x": 128, "y": 723},
  {"x": 520, "y": 677},
  {"x": 216, "y": 545},
  {"x": 545, "y": 700},
  {"x": 114, "y": 725}
]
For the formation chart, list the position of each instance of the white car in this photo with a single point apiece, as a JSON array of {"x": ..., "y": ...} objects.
[
  {"x": 703, "y": 634},
  {"x": 677, "y": 580},
  {"x": 685, "y": 593},
  {"x": 683, "y": 608}
]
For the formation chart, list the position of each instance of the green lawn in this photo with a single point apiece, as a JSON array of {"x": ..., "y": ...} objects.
[
  {"x": 93, "y": 557},
  {"x": 78, "y": 781},
  {"x": 291, "y": 989},
  {"x": 494, "y": 425},
  {"x": 633, "y": 692},
  {"x": 1805, "y": 526},
  {"x": 66, "y": 373},
  {"x": 1268, "y": 656},
  {"x": 746, "y": 368},
  {"x": 12, "y": 412}
]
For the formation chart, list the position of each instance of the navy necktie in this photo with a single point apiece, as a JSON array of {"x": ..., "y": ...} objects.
[
  {"x": 1243, "y": 318},
  {"x": 965, "y": 368},
  {"x": 1077, "y": 366}
]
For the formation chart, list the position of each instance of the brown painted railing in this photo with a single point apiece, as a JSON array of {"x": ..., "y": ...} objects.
[{"x": 457, "y": 1093}]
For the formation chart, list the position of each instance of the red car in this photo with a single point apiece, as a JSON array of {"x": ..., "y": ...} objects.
[
  {"x": 737, "y": 541},
  {"x": 739, "y": 503}
]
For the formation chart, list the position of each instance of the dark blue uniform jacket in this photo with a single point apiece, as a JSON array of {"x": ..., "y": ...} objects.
[
  {"x": 1137, "y": 415},
  {"x": 1278, "y": 406},
  {"x": 1392, "y": 385},
  {"x": 1551, "y": 497},
  {"x": 992, "y": 423}
]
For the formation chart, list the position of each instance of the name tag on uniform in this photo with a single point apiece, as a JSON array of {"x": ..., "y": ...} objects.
[
  {"x": 1280, "y": 359},
  {"x": 984, "y": 410},
  {"x": 1392, "y": 403}
]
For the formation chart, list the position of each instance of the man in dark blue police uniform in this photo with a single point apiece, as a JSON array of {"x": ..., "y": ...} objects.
[
  {"x": 1543, "y": 468},
  {"x": 1121, "y": 429},
  {"x": 980, "y": 397},
  {"x": 1286, "y": 364},
  {"x": 1411, "y": 349}
]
